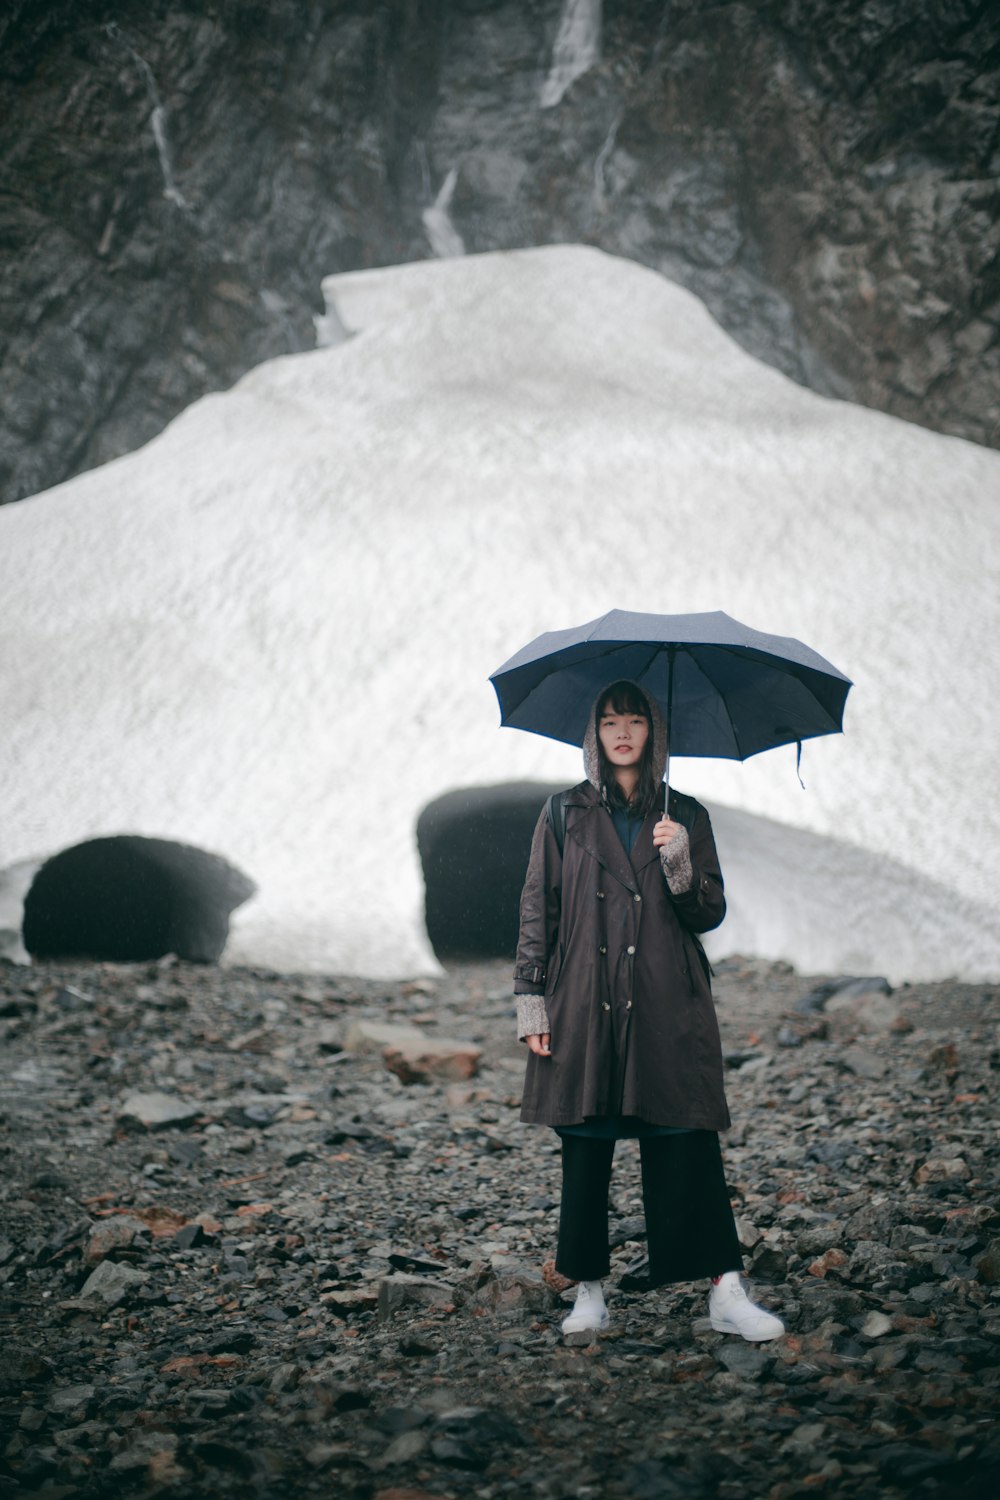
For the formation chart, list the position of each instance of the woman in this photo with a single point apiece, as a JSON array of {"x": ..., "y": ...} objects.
[{"x": 615, "y": 1005}]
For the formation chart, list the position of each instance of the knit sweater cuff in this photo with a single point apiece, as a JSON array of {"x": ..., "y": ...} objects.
[
  {"x": 675, "y": 858},
  {"x": 532, "y": 1017}
]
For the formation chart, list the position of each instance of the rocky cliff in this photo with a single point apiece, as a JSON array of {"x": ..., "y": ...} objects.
[{"x": 177, "y": 178}]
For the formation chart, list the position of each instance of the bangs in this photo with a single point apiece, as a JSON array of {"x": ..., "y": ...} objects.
[{"x": 624, "y": 698}]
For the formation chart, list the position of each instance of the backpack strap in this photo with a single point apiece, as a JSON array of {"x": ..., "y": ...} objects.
[{"x": 555, "y": 811}]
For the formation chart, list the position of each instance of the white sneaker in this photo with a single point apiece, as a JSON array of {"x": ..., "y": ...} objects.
[
  {"x": 589, "y": 1312},
  {"x": 731, "y": 1311}
]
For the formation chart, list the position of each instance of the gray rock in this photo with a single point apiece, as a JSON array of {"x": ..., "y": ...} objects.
[
  {"x": 818, "y": 1237},
  {"x": 188, "y": 1237},
  {"x": 285, "y": 1377},
  {"x": 370, "y": 1037},
  {"x": 330, "y": 1037},
  {"x": 157, "y": 1111},
  {"x": 769, "y": 1261},
  {"x": 867, "y": 1006},
  {"x": 397, "y": 1293},
  {"x": 112, "y": 1283},
  {"x": 747, "y": 1233},
  {"x": 517, "y": 1289},
  {"x": 404, "y": 1448},
  {"x": 396, "y": 1419},
  {"x": 843, "y": 992},
  {"x": 813, "y": 1003},
  {"x": 71, "y": 1398},
  {"x": 748, "y": 1361},
  {"x": 20, "y": 1367},
  {"x": 467, "y": 1436},
  {"x": 862, "y": 1062},
  {"x": 873, "y": 1221},
  {"x": 909, "y": 1463},
  {"x": 807, "y": 1436},
  {"x": 988, "y": 1264},
  {"x": 142, "y": 1449}
]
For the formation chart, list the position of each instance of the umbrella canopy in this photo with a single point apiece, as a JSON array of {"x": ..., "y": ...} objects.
[{"x": 725, "y": 690}]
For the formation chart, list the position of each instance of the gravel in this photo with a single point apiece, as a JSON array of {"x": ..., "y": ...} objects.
[{"x": 239, "y": 1257}]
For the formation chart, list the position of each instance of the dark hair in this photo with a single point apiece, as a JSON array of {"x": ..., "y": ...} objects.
[{"x": 625, "y": 698}]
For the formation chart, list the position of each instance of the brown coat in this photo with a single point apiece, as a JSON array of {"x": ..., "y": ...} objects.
[{"x": 632, "y": 1019}]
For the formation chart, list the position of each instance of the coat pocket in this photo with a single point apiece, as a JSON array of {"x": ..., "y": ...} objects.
[
  {"x": 697, "y": 958},
  {"x": 709, "y": 972},
  {"x": 554, "y": 969}
]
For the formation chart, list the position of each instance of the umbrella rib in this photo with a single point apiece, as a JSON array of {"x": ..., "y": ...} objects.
[
  {"x": 678, "y": 647},
  {"x": 650, "y": 659},
  {"x": 722, "y": 699}
]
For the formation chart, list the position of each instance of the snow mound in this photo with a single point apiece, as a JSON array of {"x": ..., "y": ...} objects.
[
  {"x": 829, "y": 907},
  {"x": 268, "y": 633}
]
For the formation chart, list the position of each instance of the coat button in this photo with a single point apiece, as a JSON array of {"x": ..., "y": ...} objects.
[
  {"x": 630, "y": 948},
  {"x": 605, "y": 1005},
  {"x": 600, "y": 895},
  {"x": 603, "y": 948},
  {"x": 637, "y": 897},
  {"x": 628, "y": 1005}
]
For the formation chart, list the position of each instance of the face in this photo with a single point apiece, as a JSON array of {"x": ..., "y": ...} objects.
[{"x": 623, "y": 737}]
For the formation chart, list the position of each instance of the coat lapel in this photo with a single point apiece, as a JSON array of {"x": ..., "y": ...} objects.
[
  {"x": 593, "y": 829},
  {"x": 644, "y": 851}
]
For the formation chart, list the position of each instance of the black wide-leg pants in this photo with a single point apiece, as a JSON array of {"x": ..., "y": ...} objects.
[{"x": 690, "y": 1229}]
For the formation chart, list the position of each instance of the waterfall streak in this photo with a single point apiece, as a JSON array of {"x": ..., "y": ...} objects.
[
  {"x": 577, "y": 48},
  {"x": 157, "y": 120},
  {"x": 600, "y": 184},
  {"x": 444, "y": 237}
]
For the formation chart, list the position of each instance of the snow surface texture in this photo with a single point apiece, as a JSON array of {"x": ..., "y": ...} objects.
[
  {"x": 839, "y": 908},
  {"x": 268, "y": 633}
]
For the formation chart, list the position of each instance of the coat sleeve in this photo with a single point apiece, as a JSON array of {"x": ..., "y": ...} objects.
[
  {"x": 703, "y": 905},
  {"x": 540, "y": 906}
]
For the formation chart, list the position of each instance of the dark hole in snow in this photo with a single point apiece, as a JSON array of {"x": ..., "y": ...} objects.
[
  {"x": 474, "y": 847},
  {"x": 127, "y": 898}
]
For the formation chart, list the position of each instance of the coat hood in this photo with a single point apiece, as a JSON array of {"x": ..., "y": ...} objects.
[{"x": 591, "y": 764}]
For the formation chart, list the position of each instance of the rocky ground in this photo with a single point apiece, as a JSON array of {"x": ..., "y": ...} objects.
[{"x": 242, "y": 1256}]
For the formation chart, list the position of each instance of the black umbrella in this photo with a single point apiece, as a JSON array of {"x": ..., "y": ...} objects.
[{"x": 725, "y": 690}]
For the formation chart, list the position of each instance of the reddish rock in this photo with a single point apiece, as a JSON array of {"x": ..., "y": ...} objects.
[
  {"x": 554, "y": 1279},
  {"x": 830, "y": 1260},
  {"x": 432, "y": 1060},
  {"x": 944, "y": 1057},
  {"x": 405, "y": 1494},
  {"x": 111, "y": 1234},
  {"x": 943, "y": 1169}
]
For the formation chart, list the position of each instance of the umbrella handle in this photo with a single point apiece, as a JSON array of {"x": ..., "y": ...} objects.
[{"x": 671, "y": 654}]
